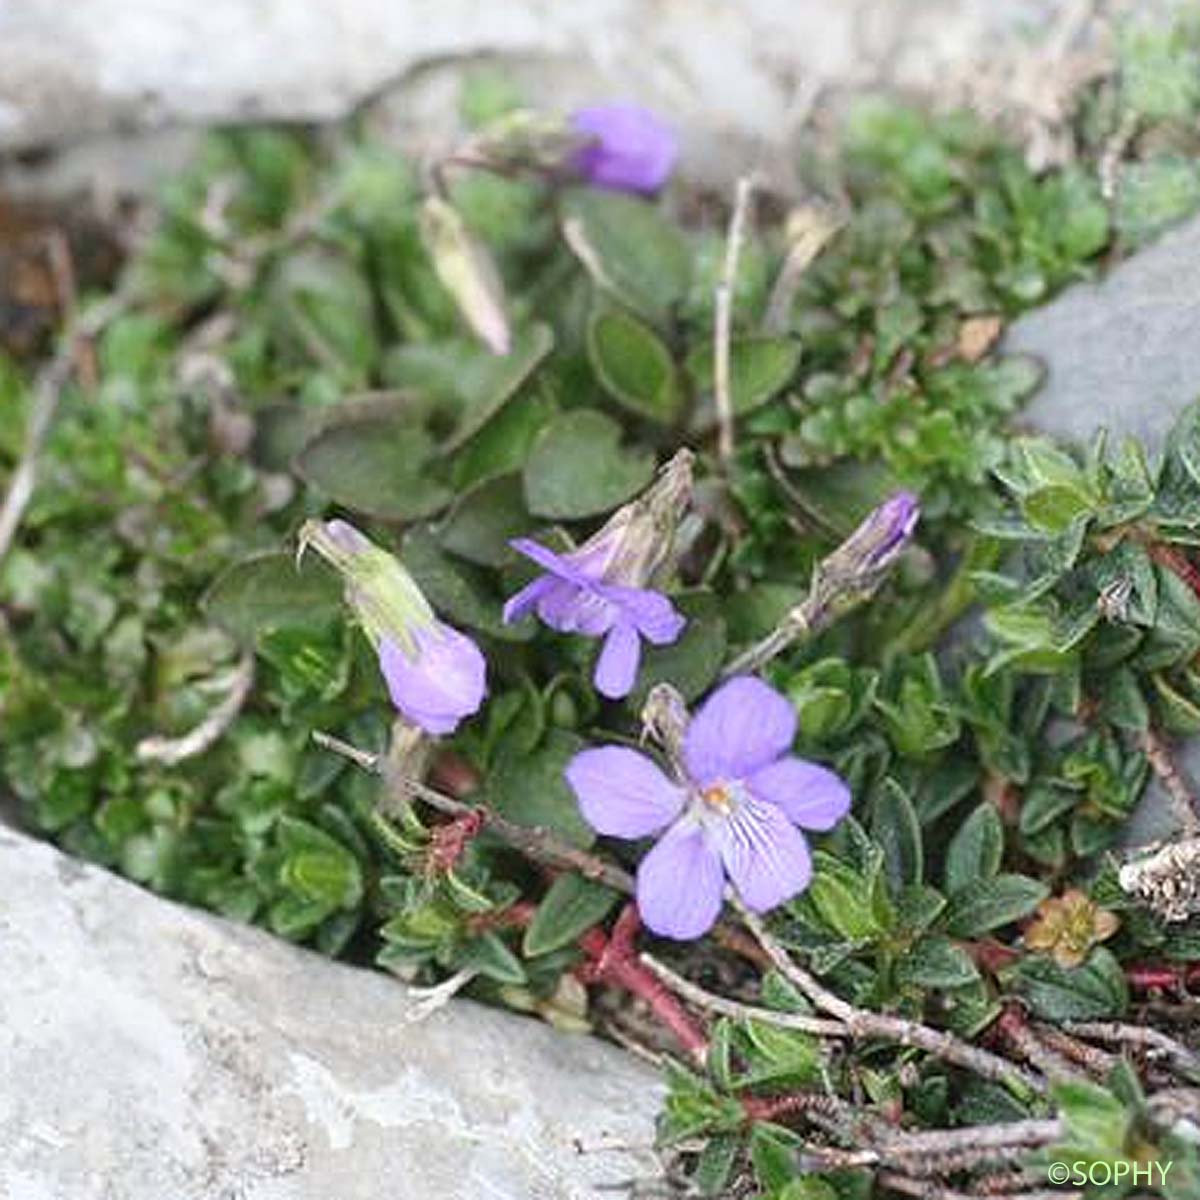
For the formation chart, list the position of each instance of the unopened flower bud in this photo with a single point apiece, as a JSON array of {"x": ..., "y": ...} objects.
[
  {"x": 434, "y": 674},
  {"x": 525, "y": 140},
  {"x": 635, "y": 544},
  {"x": 876, "y": 544},
  {"x": 467, "y": 272}
]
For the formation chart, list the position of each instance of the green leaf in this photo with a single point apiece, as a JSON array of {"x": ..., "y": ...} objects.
[
  {"x": 628, "y": 248},
  {"x": 759, "y": 368},
  {"x": 318, "y": 867},
  {"x": 268, "y": 591},
  {"x": 485, "y": 520},
  {"x": 375, "y": 466},
  {"x": 322, "y": 307},
  {"x": 571, "y": 907},
  {"x": 491, "y": 957},
  {"x": 457, "y": 590},
  {"x": 578, "y": 468},
  {"x": 503, "y": 444},
  {"x": 976, "y": 850},
  {"x": 691, "y": 663},
  {"x": 531, "y": 789},
  {"x": 487, "y": 381},
  {"x": 1095, "y": 990},
  {"x": 987, "y": 904},
  {"x": 842, "y": 899},
  {"x": 894, "y": 825},
  {"x": 936, "y": 962},
  {"x": 634, "y": 366}
]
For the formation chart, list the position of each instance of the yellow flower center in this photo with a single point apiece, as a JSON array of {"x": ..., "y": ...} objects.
[{"x": 717, "y": 797}]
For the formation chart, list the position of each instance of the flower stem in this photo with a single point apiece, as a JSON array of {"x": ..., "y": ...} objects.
[
  {"x": 535, "y": 842},
  {"x": 614, "y": 960},
  {"x": 933, "y": 620},
  {"x": 723, "y": 320}
]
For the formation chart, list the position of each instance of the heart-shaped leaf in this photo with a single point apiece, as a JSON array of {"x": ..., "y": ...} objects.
[
  {"x": 628, "y": 248},
  {"x": 634, "y": 366},
  {"x": 269, "y": 591},
  {"x": 375, "y": 466},
  {"x": 578, "y": 468},
  {"x": 483, "y": 521},
  {"x": 759, "y": 368}
]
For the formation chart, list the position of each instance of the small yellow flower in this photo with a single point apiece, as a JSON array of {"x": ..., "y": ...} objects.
[{"x": 1068, "y": 926}]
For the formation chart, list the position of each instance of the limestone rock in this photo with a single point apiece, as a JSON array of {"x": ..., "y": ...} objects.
[
  {"x": 1122, "y": 352},
  {"x": 734, "y": 77},
  {"x": 149, "y": 1052}
]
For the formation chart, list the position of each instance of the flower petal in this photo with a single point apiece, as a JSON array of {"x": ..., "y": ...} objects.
[
  {"x": 622, "y": 793},
  {"x": 519, "y": 604},
  {"x": 557, "y": 564},
  {"x": 616, "y": 668},
  {"x": 811, "y": 796},
  {"x": 679, "y": 884},
  {"x": 571, "y": 609},
  {"x": 655, "y": 617},
  {"x": 765, "y": 854},
  {"x": 444, "y": 681},
  {"x": 741, "y": 727},
  {"x": 632, "y": 150}
]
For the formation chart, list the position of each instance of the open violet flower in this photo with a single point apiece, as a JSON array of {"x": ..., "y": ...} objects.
[
  {"x": 435, "y": 675},
  {"x": 573, "y": 597},
  {"x": 600, "y": 589},
  {"x": 628, "y": 149},
  {"x": 734, "y": 812}
]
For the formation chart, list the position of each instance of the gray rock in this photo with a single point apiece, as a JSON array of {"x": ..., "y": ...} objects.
[
  {"x": 149, "y": 1052},
  {"x": 1124, "y": 352},
  {"x": 735, "y": 78}
]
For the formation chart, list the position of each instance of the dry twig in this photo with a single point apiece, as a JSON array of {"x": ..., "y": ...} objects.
[
  {"x": 722, "y": 334},
  {"x": 863, "y": 1023},
  {"x": 539, "y": 844},
  {"x": 175, "y": 750}
]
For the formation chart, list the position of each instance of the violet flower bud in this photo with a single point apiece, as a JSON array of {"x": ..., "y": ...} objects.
[
  {"x": 630, "y": 149},
  {"x": 435, "y": 675},
  {"x": 467, "y": 273},
  {"x": 876, "y": 544}
]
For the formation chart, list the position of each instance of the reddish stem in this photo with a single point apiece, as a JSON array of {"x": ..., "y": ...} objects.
[
  {"x": 448, "y": 841},
  {"x": 1176, "y": 562},
  {"x": 771, "y": 1108},
  {"x": 516, "y": 916},
  {"x": 1163, "y": 977},
  {"x": 613, "y": 960}
]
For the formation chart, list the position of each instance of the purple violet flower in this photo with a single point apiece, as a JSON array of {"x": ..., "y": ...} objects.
[
  {"x": 573, "y": 597},
  {"x": 435, "y": 675},
  {"x": 735, "y": 812},
  {"x": 442, "y": 681},
  {"x": 629, "y": 148}
]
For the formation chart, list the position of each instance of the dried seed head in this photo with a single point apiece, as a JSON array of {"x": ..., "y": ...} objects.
[{"x": 1167, "y": 881}]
